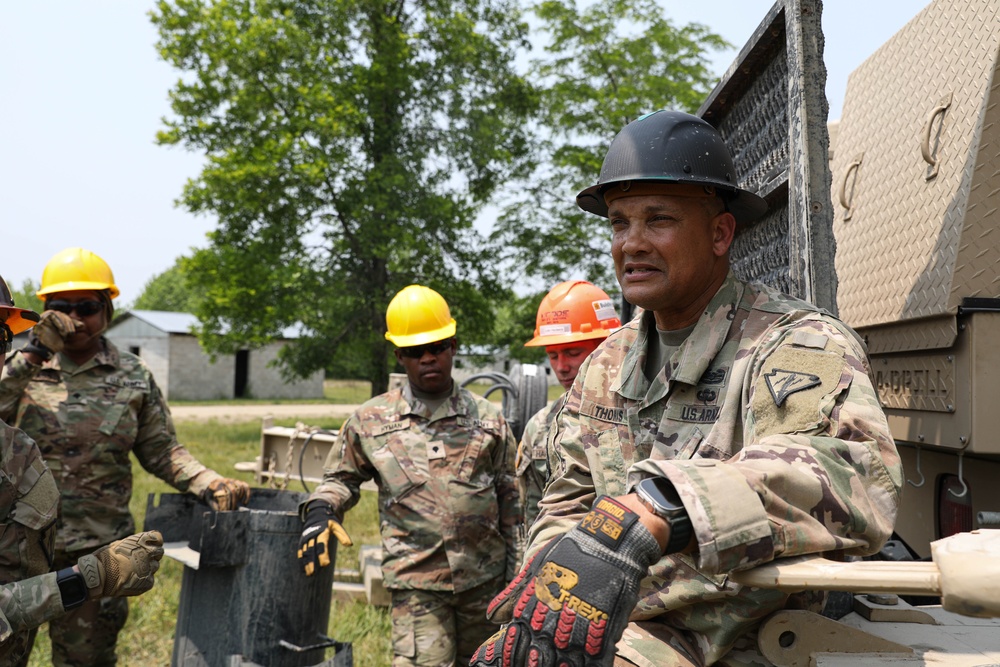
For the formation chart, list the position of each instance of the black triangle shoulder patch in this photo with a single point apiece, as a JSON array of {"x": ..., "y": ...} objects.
[{"x": 783, "y": 384}]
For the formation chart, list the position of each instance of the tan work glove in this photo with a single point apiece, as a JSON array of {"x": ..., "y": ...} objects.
[
  {"x": 224, "y": 494},
  {"x": 314, "y": 544},
  {"x": 123, "y": 568},
  {"x": 50, "y": 334},
  {"x": 54, "y": 328}
]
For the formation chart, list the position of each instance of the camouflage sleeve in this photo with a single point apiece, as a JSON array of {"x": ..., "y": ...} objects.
[
  {"x": 346, "y": 468},
  {"x": 508, "y": 500},
  {"x": 157, "y": 449},
  {"x": 570, "y": 491},
  {"x": 27, "y": 604},
  {"x": 530, "y": 483},
  {"x": 17, "y": 373},
  {"x": 818, "y": 470}
]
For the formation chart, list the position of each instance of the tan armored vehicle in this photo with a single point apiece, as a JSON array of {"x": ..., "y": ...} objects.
[
  {"x": 902, "y": 241},
  {"x": 916, "y": 189}
]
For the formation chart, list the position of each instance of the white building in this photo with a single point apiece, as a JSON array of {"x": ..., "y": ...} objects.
[{"x": 184, "y": 371}]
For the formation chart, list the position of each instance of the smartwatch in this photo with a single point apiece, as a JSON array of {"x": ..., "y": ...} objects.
[
  {"x": 660, "y": 497},
  {"x": 72, "y": 588}
]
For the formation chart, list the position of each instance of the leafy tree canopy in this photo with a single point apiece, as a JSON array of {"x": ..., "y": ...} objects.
[
  {"x": 24, "y": 296},
  {"x": 604, "y": 65},
  {"x": 169, "y": 291},
  {"x": 349, "y": 146}
]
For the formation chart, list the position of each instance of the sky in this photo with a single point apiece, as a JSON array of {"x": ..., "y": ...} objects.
[{"x": 83, "y": 91}]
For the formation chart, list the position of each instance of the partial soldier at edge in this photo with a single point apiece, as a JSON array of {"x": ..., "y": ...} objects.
[
  {"x": 30, "y": 595},
  {"x": 89, "y": 405}
]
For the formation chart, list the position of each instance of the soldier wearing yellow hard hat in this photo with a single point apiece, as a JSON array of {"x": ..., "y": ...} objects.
[
  {"x": 443, "y": 459},
  {"x": 89, "y": 405}
]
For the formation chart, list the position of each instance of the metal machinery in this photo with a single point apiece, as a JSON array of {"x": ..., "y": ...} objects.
[{"x": 245, "y": 601}]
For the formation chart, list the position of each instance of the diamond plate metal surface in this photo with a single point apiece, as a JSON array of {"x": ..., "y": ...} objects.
[
  {"x": 915, "y": 244},
  {"x": 910, "y": 336}
]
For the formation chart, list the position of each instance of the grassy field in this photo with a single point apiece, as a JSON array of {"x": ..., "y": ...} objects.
[
  {"x": 352, "y": 392},
  {"x": 148, "y": 638}
]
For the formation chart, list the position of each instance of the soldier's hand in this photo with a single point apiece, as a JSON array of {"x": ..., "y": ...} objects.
[
  {"x": 572, "y": 601},
  {"x": 225, "y": 495},
  {"x": 50, "y": 334},
  {"x": 320, "y": 523},
  {"x": 123, "y": 568}
]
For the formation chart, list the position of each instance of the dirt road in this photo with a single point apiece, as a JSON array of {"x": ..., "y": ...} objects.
[{"x": 237, "y": 413}]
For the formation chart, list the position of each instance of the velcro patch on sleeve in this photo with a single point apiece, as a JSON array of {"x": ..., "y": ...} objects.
[
  {"x": 608, "y": 521},
  {"x": 788, "y": 395}
]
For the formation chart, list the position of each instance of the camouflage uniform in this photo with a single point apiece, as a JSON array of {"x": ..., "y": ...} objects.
[
  {"x": 448, "y": 506},
  {"x": 533, "y": 465},
  {"x": 766, "y": 421},
  {"x": 29, "y": 502},
  {"x": 86, "y": 419}
]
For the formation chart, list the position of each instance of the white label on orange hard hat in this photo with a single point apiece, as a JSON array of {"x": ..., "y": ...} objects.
[
  {"x": 605, "y": 310},
  {"x": 555, "y": 329}
]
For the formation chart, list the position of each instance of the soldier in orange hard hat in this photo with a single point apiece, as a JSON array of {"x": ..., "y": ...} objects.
[{"x": 573, "y": 319}]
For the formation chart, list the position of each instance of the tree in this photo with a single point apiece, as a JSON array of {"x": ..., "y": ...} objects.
[
  {"x": 169, "y": 291},
  {"x": 24, "y": 297},
  {"x": 349, "y": 146},
  {"x": 607, "y": 64}
]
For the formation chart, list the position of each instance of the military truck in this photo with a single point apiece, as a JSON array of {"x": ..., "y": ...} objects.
[{"x": 895, "y": 230}]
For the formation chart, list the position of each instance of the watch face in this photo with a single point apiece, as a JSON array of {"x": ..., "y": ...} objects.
[{"x": 662, "y": 495}]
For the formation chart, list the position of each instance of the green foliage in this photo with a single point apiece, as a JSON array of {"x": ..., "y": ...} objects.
[
  {"x": 168, "y": 291},
  {"x": 349, "y": 147},
  {"x": 606, "y": 64},
  {"x": 24, "y": 296}
]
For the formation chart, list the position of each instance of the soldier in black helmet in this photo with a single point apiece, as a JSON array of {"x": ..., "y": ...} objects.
[{"x": 725, "y": 426}]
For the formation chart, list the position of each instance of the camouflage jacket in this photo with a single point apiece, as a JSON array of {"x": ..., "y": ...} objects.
[
  {"x": 533, "y": 465},
  {"x": 447, "y": 499},
  {"x": 86, "y": 419},
  {"x": 765, "y": 420},
  {"x": 29, "y": 502}
]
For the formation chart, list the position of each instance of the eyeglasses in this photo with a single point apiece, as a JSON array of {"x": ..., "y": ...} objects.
[
  {"x": 83, "y": 308},
  {"x": 417, "y": 351},
  {"x": 6, "y": 337}
]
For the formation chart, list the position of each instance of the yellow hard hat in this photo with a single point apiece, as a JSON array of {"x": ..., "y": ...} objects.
[
  {"x": 418, "y": 315},
  {"x": 17, "y": 319},
  {"x": 76, "y": 269},
  {"x": 574, "y": 311}
]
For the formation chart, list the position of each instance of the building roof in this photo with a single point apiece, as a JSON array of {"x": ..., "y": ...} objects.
[{"x": 183, "y": 323}]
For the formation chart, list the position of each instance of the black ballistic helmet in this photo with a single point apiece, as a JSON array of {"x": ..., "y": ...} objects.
[{"x": 672, "y": 147}]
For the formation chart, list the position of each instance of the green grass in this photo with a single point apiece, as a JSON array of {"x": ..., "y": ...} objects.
[{"x": 148, "y": 637}]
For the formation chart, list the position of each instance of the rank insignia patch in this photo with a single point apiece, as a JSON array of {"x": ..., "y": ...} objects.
[{"x": 783, "y": 384}]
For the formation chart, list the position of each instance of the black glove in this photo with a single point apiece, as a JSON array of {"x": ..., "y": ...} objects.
[
  {"x": 319, "y": 524},
  {"x": 571, "y": 602}
]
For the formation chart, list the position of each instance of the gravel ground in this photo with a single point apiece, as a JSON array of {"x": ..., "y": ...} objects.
[{"x": 238, "y": 413}]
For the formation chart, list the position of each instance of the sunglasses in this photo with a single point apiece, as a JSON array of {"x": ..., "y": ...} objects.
[
  {"x": 6, "y": 337},
  {"x": 82, "y": 308},
  {"x": 417, "y": 351}
]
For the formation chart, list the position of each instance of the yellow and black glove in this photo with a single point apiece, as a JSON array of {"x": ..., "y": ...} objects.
[
  {"x": 571, "y": 602},
  {"x": 319, "y": 524},
  {"x": 123, "y": 568}
]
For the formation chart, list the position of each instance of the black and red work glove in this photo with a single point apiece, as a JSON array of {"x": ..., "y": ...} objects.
[
  {"x": 571, "y": 602},
  {"x": 314, "y": 545}
]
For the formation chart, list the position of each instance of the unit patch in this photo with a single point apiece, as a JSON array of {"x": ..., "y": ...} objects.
[{"x": 783, "y": 383}]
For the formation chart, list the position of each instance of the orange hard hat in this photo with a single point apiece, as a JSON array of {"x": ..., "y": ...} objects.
[
  {"x": 16, "y": 319},
  {"x": 572, "y": 311}
]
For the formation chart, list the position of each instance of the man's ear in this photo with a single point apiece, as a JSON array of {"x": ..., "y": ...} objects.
[
  {"x": 399, "y": 357},
  {"x": 723, "y": 233}
]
